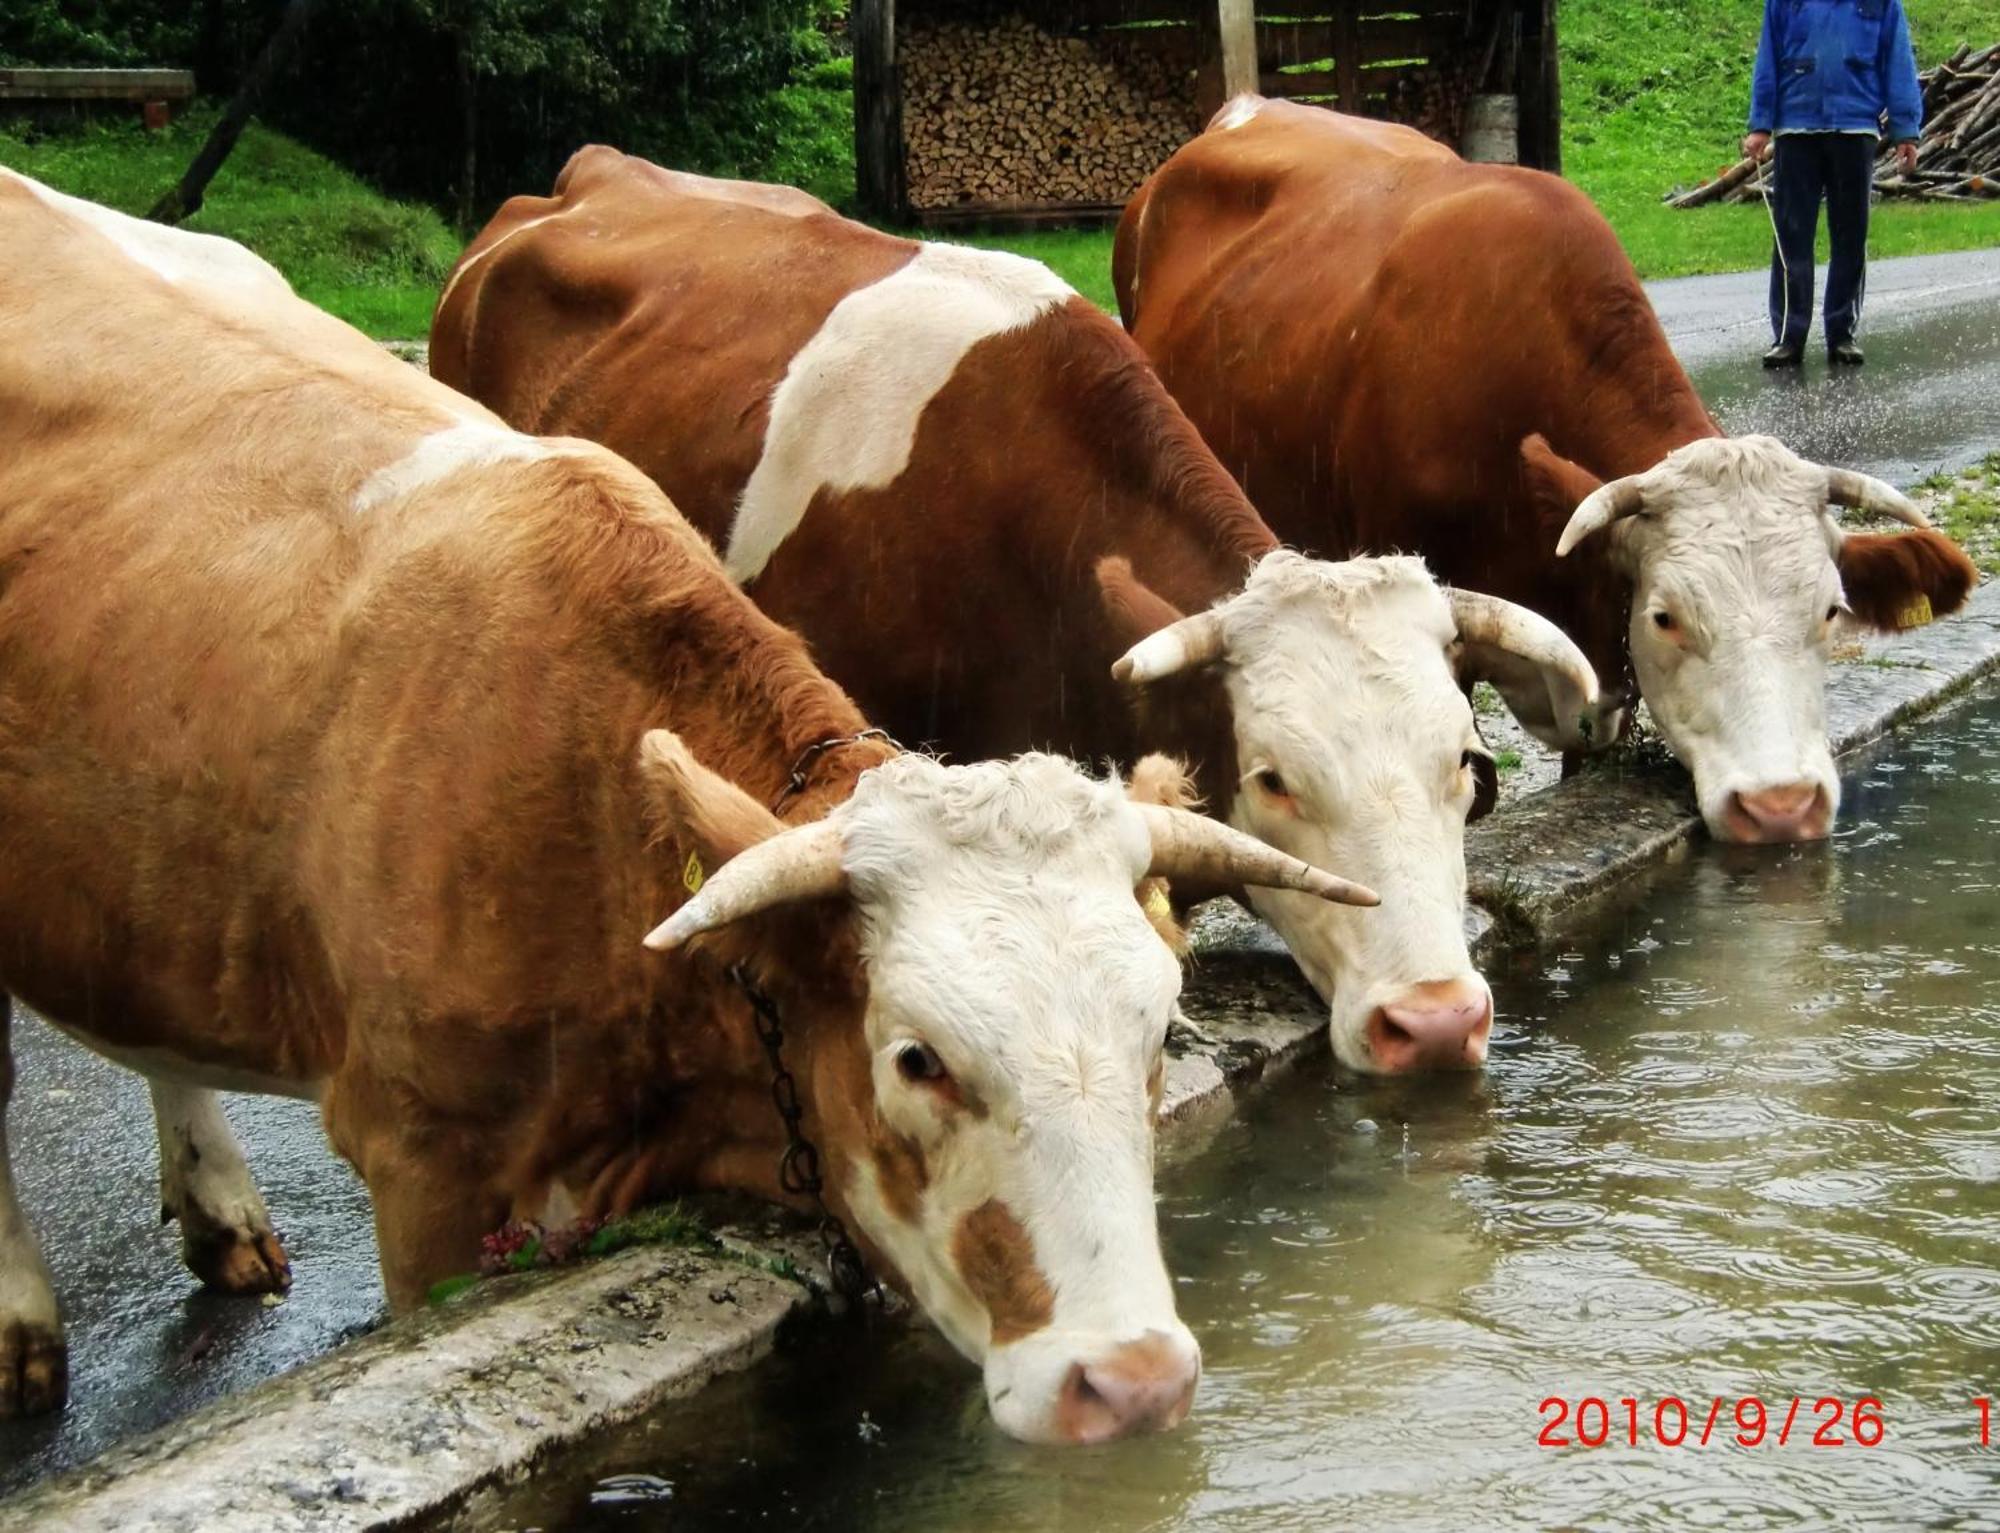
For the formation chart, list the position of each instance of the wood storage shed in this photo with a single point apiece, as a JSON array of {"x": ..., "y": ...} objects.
[{"x": 1024, "y": 112}]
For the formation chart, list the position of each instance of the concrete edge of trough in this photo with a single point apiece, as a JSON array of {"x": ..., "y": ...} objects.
[{"x": 403, "y": 1425}]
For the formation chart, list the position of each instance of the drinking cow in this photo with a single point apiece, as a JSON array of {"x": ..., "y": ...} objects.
[
  {"x": 963, "y": 484},
  {"x": 1391, "y": 348},
  {"x": 350, "y": 742}
]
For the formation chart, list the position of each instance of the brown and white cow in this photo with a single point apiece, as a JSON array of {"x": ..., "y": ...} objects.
[
  {"x": 961, "y": 482},
  {"x": 1390, "y": 348},
  {"x": 351, "y": 741}
]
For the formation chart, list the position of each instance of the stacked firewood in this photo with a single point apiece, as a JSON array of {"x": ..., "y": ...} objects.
[
  {"x": 1006, "y": 113},
  {"x": 1958, "y": 155}
]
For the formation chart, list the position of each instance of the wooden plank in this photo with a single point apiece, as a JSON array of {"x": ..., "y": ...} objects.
[
  {"x": 1299, "y": 42},
  {"x": 96, "y": 84},
  {"x": 880, "y": 176},
  {"x": 1346, "y": 64},
  {"x": 1116, "y": 13},
  {"x": 1538, "y": 82},
  {"x": 1238, "y": 22}
]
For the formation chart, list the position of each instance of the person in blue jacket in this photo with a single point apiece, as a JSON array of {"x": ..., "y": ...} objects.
[{"x": 1831, "y": 76}]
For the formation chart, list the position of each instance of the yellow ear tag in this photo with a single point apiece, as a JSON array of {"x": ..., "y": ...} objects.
[
  {"x": 692, "y": 877},
  {"x": 1158, "y": 906},
  {"x": 1916, "y": 614}
]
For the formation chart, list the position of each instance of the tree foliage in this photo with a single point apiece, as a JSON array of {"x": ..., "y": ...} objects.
[{"x": 378, "y": 83}]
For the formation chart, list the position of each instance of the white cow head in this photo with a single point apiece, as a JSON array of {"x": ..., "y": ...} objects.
[
  {"x": 1740, "y": 578},
  {"x": 988, "y": 1117},
  {"x": 1353, "y": 740}
]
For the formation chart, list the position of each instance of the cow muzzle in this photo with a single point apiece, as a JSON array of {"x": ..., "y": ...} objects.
[
  {"x": 1436, "y": 1025},
  {"x": 1801, "y": 811},
  {"x": 1094, "y": 1395}
]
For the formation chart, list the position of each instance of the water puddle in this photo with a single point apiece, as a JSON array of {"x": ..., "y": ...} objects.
[{"x": 1739, "y": 1147}]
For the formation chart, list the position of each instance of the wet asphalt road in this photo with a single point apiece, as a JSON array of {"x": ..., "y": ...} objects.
[{"x": 147, "y": 1345}]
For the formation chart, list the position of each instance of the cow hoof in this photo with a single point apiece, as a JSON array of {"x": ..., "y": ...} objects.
[
  {"x": 238, "y": 1261},
  {"x": 34, "y": 1369}
]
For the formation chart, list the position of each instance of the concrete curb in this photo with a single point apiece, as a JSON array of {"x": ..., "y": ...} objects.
[{"x": 407, "y": 1423}]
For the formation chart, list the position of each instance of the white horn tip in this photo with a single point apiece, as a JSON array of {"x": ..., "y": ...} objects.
[
  {"x": 1570, "y": 538},
  {"x": 668, "y": 935},
  {"x": 1342, "y": 891},
  {"x": 1156, "y": 655}
]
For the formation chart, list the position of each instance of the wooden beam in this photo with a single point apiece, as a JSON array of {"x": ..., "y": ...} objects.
[
  {"x": 1237, "y": 20},
  {"x": 1347, "y": 58},
  {"x": 96, "y": 84},
  {"x": 1538, "y": 82},
  {"x": 881, "y": 179}
]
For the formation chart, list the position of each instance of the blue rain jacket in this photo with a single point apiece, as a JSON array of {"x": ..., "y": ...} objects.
[{"x": 1831, "y": 66}]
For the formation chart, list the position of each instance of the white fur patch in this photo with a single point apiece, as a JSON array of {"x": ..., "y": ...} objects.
[
  {"x": 163, "y": 1065},
  {"x": 177, "y": 255},
  {"x": 202, "y": 1171},
  {"x": 471, "y": 444},
  {"x": 1238, "y": 112},
  {"x": 845, "y": 415},
  {"x": 26, "y": 1294}
]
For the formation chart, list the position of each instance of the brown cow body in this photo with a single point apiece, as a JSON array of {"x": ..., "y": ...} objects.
[
  {"x": 962, "y": 483},
  {"x": 349, "y": 743},
  {"x": 1392, "y": 348},
  {"x": 658, "y": 313},
  {"x": 1365, "y": 327}
]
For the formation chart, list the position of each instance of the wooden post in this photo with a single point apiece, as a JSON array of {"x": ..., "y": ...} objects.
[
  {"x": 1347, "y": 55},
  {"x": 880, "y": 176},
  {"x": 1236, "y": 20},
  {"x": 1539, "y": 83}
]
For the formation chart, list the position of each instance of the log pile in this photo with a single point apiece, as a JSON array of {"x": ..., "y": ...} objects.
[
  {"x": 1004, "y": 113},
  {"x": 1958, "y": 155}
]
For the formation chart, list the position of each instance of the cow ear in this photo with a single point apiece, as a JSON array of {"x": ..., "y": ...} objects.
[
  {"x": 696, "y": 812},
  {"x": 1134, "y": 609},
  {"x": 1162, "y": 780},
  {"x": 1556, "y": 486},
  {"x": 1899, "y": 580}
]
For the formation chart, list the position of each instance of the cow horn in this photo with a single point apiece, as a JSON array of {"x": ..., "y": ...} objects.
[
  {"x": 802, "y": 863},
  {"x": 1194, "y": 847},
  {"x": 1506, "y": 625},
  {"x": 1193, "y": 641},
  {"x": 1864, "y": 492},
  {"x": 1601, "y": 507}
]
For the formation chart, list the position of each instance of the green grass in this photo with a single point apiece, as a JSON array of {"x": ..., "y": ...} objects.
[
  {"x": 1966, "y": 504},
  {"x": 1654, "y": 95},
  {"x": 374, "y": 261}
]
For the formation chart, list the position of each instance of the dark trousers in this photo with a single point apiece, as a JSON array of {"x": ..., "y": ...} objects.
[{"x": 1808, "y": 166}]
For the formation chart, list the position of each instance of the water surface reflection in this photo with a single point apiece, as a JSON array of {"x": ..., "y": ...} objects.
[{"x": 1744, "y": 1141}]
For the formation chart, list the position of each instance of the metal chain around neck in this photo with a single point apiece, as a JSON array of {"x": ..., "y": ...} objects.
[
  {"x": 799, "y": 1170},
  {"x": 795, "y": 784}
]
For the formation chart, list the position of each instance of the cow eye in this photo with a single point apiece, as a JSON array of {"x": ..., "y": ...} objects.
[
  {"x": 919, "y": 1062},
  {"x": 1271, "y": 782},
  {"x": 1833, "y": 612},
  {"x": 1664, "y": 621}
]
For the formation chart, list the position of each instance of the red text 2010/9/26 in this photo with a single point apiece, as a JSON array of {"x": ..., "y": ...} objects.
[{"x": 1828, "y": 1422}]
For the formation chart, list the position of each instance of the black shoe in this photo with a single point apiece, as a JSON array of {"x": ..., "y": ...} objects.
[
  {"x": 1783, "y": 355},
  {"x": 1846, "y": 354}
]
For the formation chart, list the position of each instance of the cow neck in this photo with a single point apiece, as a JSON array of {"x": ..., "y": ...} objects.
[
  {"x": 1141, "y": 484},
  {"x": 1635, "y": 402}
]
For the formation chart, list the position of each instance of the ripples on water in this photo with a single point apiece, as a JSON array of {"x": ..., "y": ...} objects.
[{"x": 1743, "y": 1142}]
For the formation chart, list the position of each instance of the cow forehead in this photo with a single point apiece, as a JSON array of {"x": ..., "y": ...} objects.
[
  {"x": 995, "y": 903},
  {"x": 1735, "y": 521},
  {"x": 1320, "y": 645}
]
